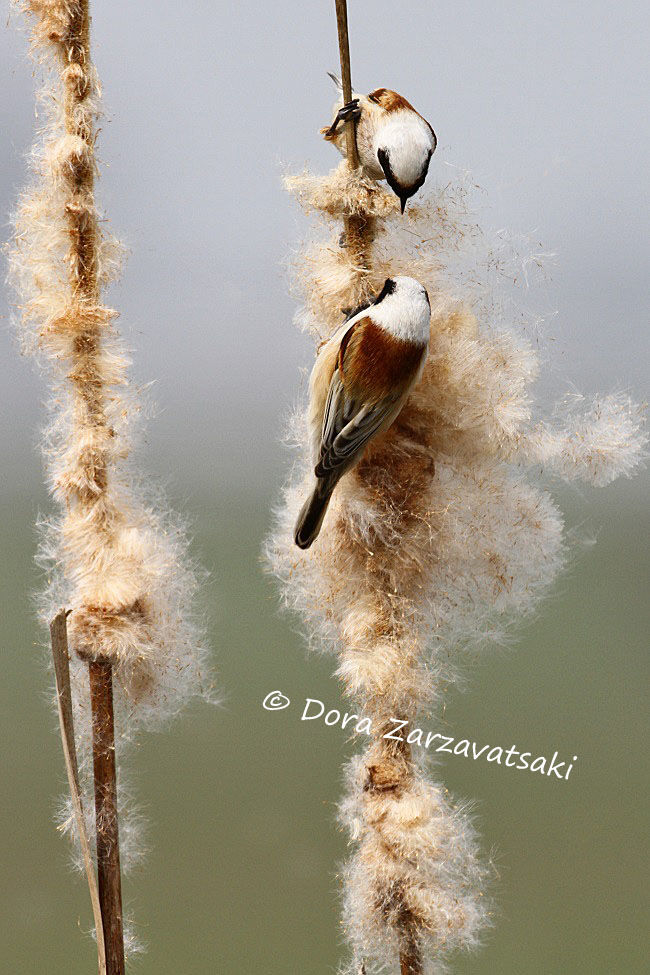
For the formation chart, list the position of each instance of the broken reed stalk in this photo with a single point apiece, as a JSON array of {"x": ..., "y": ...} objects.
[
  {"x": 83, "y": 230},
  {"x": 358, "y": 236},
  {"x": 106, "y": 819},
  {"x": 358, "y": 227},
  {"x": 61, "y": 659}
]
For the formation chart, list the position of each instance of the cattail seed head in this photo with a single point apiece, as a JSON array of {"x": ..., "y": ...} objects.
[
  {"x": 440, "y": 538},
  {"x": 114, "y": 556}
]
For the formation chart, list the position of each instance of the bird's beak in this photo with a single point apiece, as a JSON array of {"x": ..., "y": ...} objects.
[{"x": 402, "y": 201}]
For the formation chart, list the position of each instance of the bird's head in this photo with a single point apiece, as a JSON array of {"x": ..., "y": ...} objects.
[
  {"x": 404, "y": 147},
  {"x": 402, "y": 308}
]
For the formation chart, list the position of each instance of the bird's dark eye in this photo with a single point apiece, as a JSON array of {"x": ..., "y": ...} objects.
[{"x": 388, "y": 289}]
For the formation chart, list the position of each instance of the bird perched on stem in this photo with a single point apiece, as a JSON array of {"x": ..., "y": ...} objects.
[
  {"x": 360, "y": 381},
  {"x": 394, "y": 141}
]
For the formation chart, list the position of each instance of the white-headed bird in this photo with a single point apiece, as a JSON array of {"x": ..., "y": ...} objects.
[
  {"x": 360, "y": 381},
  {"x": 394, "y": 141}
]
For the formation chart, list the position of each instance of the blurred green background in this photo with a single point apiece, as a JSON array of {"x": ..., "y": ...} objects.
[{"x": 241, "y": 802}]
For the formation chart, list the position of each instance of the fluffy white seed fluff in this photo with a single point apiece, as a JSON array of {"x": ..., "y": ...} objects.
[
  {"x": 438, "y": 540},
  {"x": 113, "y": 556}
]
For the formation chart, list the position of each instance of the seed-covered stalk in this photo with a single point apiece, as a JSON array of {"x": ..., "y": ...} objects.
[
  {"x": 116, "y": 561},
  {"x": 441, "y": 537}
]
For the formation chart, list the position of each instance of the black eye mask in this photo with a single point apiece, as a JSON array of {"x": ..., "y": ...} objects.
[
  {"x": 388, "y": 289},
  {"x": 397, "y": 188},
  {"x": 384, "y": 162}
]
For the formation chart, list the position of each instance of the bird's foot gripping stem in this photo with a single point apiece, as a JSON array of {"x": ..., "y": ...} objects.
[{"x": 347, "y": 113}]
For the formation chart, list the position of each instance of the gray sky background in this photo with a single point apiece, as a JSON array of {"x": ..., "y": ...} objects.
[{"x": 546, "y": 104}]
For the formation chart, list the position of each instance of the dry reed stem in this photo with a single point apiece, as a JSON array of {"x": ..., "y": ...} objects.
[
  {"x": 346, "y": 79},
  {"x": 59, "y": 643},
  {"x": 89, "y": 383},
  {"x": 359, "y": 227},
  {"x": 106, "y": 819}
]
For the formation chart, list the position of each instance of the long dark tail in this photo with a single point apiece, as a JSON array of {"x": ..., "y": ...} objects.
[{"x": 313, "y": 511}]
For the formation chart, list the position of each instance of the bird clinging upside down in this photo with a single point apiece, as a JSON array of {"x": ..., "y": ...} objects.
[
  {"x": 394, "y": 141},
  {"x": 360, "y": 381}
]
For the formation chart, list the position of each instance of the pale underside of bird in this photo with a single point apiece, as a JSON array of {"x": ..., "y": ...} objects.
[
  {"x": 360, "y": 381},
  {"x": 394, "y": 141}
]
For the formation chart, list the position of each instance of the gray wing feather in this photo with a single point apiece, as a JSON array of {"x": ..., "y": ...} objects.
[
  {"x": 334, "y": 411},
  {"x": 347, "y": 427}
]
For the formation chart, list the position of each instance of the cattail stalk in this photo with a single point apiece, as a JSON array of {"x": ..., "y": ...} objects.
[
  {"x": 61, "y": 660},
  {"x": 438, "y": 539},
  {"x": 108, "y": 840},
  {"x": 410, "y": 960},
  {"x": 358, "y": 226},
  {"x": 359, "y": 229},
  {"x": 115, "y": 559},
  {"x": 82, "y": 225},
  {"x": 410, "y": 957},
  {"x": 346, "y": 80}
]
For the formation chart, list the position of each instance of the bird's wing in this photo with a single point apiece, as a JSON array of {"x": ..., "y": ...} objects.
[
  {"x": 343, "y": 441},
  {"x": 350, "y": 419}
]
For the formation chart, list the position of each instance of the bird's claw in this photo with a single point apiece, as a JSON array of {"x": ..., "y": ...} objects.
[
  {"x": 346, "y": 113},
  {"x": 349, "y": 112}
]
